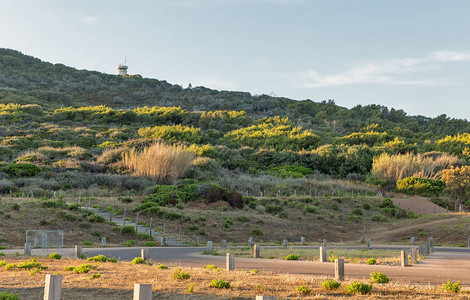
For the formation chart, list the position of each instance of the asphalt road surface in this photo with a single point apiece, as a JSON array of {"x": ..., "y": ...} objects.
[{"x": 445, "y": 263}]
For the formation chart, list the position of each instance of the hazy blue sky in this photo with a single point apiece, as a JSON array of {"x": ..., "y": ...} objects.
[{"x": 412, "y": 55}]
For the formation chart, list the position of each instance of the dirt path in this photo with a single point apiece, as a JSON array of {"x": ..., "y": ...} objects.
[{"x": 418, "y": 205}]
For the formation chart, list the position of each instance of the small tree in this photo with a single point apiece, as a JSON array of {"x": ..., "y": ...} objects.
[{"x": 458, "y": 182}]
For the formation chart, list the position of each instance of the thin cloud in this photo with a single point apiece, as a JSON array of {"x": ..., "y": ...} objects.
[
  {"x": 86, "y": 19},
  {"x": 398, "y": 71}
]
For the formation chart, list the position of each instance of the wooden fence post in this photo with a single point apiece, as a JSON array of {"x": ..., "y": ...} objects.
[
  {"x": 78, "y": 252},
  {"x": 230, "y": 262},
  {"x": 322, "y": 254},
  {"x": 53, "y": 287},
  {"x": 404, "y": 259},
  {"x": 256, "y": 251},
  {"x": 142, "y": 291},
  {"x": 339, "y": 269}
]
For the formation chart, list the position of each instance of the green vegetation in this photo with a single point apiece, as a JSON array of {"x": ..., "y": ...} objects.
[
  {"x": 330, "y": 284},
  {"x": 8, "y": 296},
  {"x": 304, "y": 290},
  {"x": 179, "y": 275},
  {"x": 377, "y": 277},
  {"x": 138, "y": 260},
  {"x": 55, "y": 256},
  {"x": 451, "y": 287},
  {"x": 292, "y": 257},
  {"x": 358, "y": 288},
  {"x": 371, "y": 261},
  {"x": 220, "y": 284}
]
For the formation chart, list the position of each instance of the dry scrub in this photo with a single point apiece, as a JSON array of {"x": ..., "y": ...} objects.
[
  {"x": 117, "y": 281},
  {"x": 162, "y": 162}
]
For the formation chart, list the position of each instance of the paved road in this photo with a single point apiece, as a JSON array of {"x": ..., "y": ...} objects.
[{"x": 445, "y": 263}]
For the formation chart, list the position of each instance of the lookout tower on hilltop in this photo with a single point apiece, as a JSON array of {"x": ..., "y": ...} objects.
[{"x": 122, "y": 69}]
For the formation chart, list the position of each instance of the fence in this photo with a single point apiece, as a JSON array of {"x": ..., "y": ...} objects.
[{"x": 45, "y": 238}]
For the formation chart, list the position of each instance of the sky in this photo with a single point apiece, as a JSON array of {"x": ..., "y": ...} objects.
[{"x": 411, "y": 55}]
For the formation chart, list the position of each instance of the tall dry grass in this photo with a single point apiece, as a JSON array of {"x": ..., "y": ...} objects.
[
  {"x": 164, "y": 163},
  {"x": 396, "y": 167}
]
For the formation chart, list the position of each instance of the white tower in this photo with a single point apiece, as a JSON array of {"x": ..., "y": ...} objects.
[{"x": 122, "y": 69}]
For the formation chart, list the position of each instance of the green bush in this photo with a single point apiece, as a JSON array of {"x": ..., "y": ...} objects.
[
  {"x": 112, "y": 260},
  {"x": 163, "y": 267},
  {"x": 377, "y": 277},
  {"x": 243, "y": 219},
  {"x": 150, "y": 244},
  {"x": 371, "y": 261},
  {"x": 138, "y": 260},
  {"x": 130, "y": 243},
  {"x": 32, "y": 263},
  {"x": 292, "y": 257},
  {"x": 330, "y": 284},
  {"x": 212, "y": 267},
  {"x": 451, "y": 287},
  {"x": 87, "y": 243},
  {"x": 8, "y": 296},
  {"x": 304, "y": 290},
  {"x": 359, "y": 288},
  {"x": 421, "y": 186},
  {"x": 55, "y": 256},
  {"x": 100, "y": 258},
  {"x": 257, "y": 232},
  {"x": 220, "y": 284},
  {"x": 179, "y": 275},
  {"x": 21, "y": 170},
  {"x": 128, "y": 230},
  {"x": 83, "y": 268},
  {"x": 97, "y": 218}
]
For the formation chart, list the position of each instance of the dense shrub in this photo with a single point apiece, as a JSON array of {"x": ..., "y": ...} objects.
[
  {"x": 21, "y": 170},
  {"x": 421, "y": 186},
  {"x": 377, "y": 277},
  {"x": 359, "y": 288},
  {"x": 330, "y": 284}
]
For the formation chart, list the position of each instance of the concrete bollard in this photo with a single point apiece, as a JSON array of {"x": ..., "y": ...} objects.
[
  {"x": 468, "y": 242},
  {"x": 256, "y": 251},
  {"x": 324, "y": 243},
  {"x": 265, "y": 298},
  {"x": 223, "y": 244},
  {"x": 413, "y": 240},
  {"x": 361, "y": 239},
  {"x": 27, "y": 248},
  {"x": 323, "y": 254},
  {"x": 302, "y": 240},
  {"x": 103, "y": 241},
  {"x": 431, "y": 242},
  {"x": 339, "y": 269},
  {"x": 414, "y": 255},
  {"x": 209, "y": 247},
  {"x": 142, "y": 291},
  {"x": 163, "y": 241},
  {"x": 230, "y": 262},
  {"x": 78, "y": 252},
  {"x": 53, "y": 287},
  {"x": 250, "y": 242},
  {"x": 284, "y": 243},
  {"x": 198, "y": 241},
  {"x": 368, "y": 244},
  {"x": 144, "y": 254},
  {"x": 404, "y": 259}
]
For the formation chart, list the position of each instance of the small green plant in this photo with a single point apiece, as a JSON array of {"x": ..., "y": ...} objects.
[
  {"x": 163, "y": 267},
  {"x": 112, "y": 260},
  {"x": 377, "y": 277},
  {"x": 304, "y": 290},
  {"x": 220, "y": 284},
  {"x": 96, "y": 233},
  {"x": 451, "y": 287},
  {"x": 254, "y": 271},
  {"x": 2, "y": 253},
  {"x": 96, "y": 275},
  {"x": 129, "y": 230},
  {"x": 29, "y": 264},
  {"x": 292, "y": 257},
  {"x": 190, "y": 289},
  {"x": 9, "y": 296},
  {"x": 100, "y": 258},
  {"x": 150, "y": 244},
  {"x": 332, "y": 258},
  {"x": 68, "y": 268},
  {"x": 9, "y": 266},
  {"x": 359, "y": 288},
  {"x": 371, "y": 261},
  {"x": 330, "y": 284},
  {"x": 87, "y": 243},
  {"x": 138, "y": 260},
  {"x": 130, "y": 243},
  {"x": 33, "y": 271},
  {"x": 243, "y": 219},
  {"x": 179, "y": 275},
  {"x": 84, "y": 256},
  {"x": 2, "y": 263},
  {"x": 212, "y": 267},
  {"x": 144, "y": 236},
  {"x": 55, "y": 256}
]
